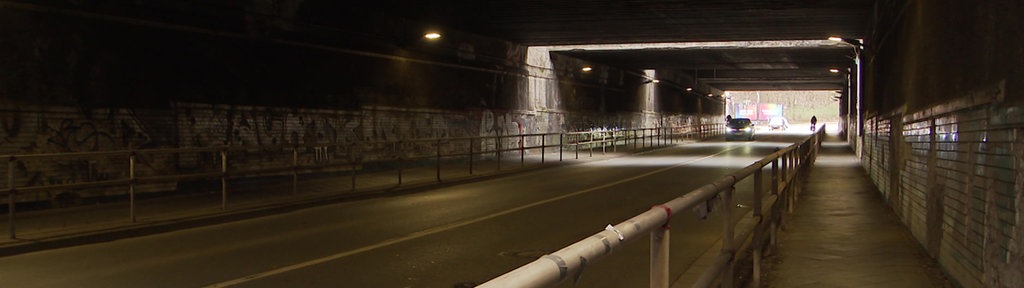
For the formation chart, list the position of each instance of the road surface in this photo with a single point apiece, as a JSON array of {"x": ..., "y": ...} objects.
[{"x": 459, "y": 235}]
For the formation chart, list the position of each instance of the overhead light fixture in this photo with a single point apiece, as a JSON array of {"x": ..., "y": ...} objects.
[
  {"x": 432, "y": 36},
  {"x": 587, "y": 69},
  {"x": 655, "y": 81},
  {"x": 854, "y": 42},
  {"x": 709, "y": 94},
  {"x": 688, "y": 89},
  {"x": 833, "y": 70}
]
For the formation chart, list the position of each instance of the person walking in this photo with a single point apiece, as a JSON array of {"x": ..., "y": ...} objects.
[{"x": 814, "y": 122}]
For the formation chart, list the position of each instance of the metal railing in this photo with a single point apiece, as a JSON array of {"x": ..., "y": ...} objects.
[
  {"x": 228, "y": 162},
  {"x": 788, "y": 168}
]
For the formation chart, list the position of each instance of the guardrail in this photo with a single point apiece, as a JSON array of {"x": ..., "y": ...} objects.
[
  {"x": 217, "y": 164},
  {"x": 786, "y": 176}
]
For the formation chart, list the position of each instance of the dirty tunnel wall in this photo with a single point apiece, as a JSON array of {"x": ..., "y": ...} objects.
[
  {"x": 93, "y": 82},
  {"x": 943, "y": 125}
]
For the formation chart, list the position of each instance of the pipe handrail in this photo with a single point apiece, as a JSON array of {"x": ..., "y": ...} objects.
[
  {"x": 389, "y": 151},
  {"x": 553, "y": 268}
]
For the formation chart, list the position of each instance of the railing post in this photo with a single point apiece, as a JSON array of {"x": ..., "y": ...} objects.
[
  {"x": 727, "y": 237},
  {"x": 758, "y": 231},
  {"x": 131, "y": 183},
  {"x": 776, "y": 180},
  {"x": 590, "y": 142},
  {"x": 577, "y": 146},
  {"x": 790, "y": 173},
  {"x": 633, "y": 136},
  {"x": 660, "y": 254},
  {"x": 497, "y": 150},
  {"x": 615, "y": 138},
  {"x": 522, "y": 152},
  {"x": 400, "y": 164},
  {"x": 295, "y": 170},
  {"x": 604, "y": 143},
  {"x": 643, "y": 138},
  {"x": 561, "y": 145},
  {"x": 10, "y": 198},
  {"x": 471, "y": 144},
  {"x": 224, "y": 178},
  {"x": 542, "y": 144},
  {"x": 438, "y": 160},
  {"x": 775, "y": 211},
  {"x": 353, "y": 164}
]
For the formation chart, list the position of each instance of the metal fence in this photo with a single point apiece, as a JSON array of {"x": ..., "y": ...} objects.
[
  {"x": 788, "y": 168},
  {"x": 122, "y": 176}
]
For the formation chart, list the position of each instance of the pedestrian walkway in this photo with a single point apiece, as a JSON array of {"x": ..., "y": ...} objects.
[
  {"x": 110, "y": 219},
  {"x": 842, "y": 233}
]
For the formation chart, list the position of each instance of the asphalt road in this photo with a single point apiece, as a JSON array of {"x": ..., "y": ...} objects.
[{"x": 460, "y": 234}]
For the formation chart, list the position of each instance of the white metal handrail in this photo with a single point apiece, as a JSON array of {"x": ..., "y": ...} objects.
[{"x": 553, "y": 268}]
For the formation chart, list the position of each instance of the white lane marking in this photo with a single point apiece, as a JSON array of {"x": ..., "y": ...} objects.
[{"x": 441, "y": 228}]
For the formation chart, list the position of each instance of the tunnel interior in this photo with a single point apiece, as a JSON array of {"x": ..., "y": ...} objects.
[{"x": 928, "y": 92}]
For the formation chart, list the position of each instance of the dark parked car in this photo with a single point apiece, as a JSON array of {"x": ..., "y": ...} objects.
[{"x": 739, "y": 129}]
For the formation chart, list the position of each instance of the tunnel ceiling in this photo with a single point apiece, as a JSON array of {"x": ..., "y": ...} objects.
[{"x": 579, "y": 22}]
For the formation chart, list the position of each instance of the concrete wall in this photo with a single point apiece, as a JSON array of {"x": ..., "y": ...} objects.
[
  {"x": 78, "y": 77},
  {"x": 943, "y": 131}
]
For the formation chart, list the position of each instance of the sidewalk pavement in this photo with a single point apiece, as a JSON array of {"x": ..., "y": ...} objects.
[
  {"x": 98, "y": 222},
  {"x": 842, "y": 234}
]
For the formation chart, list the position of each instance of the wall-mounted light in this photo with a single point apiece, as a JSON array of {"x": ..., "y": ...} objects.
[
  {"x": 432, "y": 36},
  {"x": 688, "y": 89},
  {"x": 655, "y": 81},
  {"x": 833, "y": 70},
  {"x": 587, "y": 69}
]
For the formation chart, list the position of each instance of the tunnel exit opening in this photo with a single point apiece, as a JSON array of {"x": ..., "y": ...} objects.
[{"x": 786, "y": 111}]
